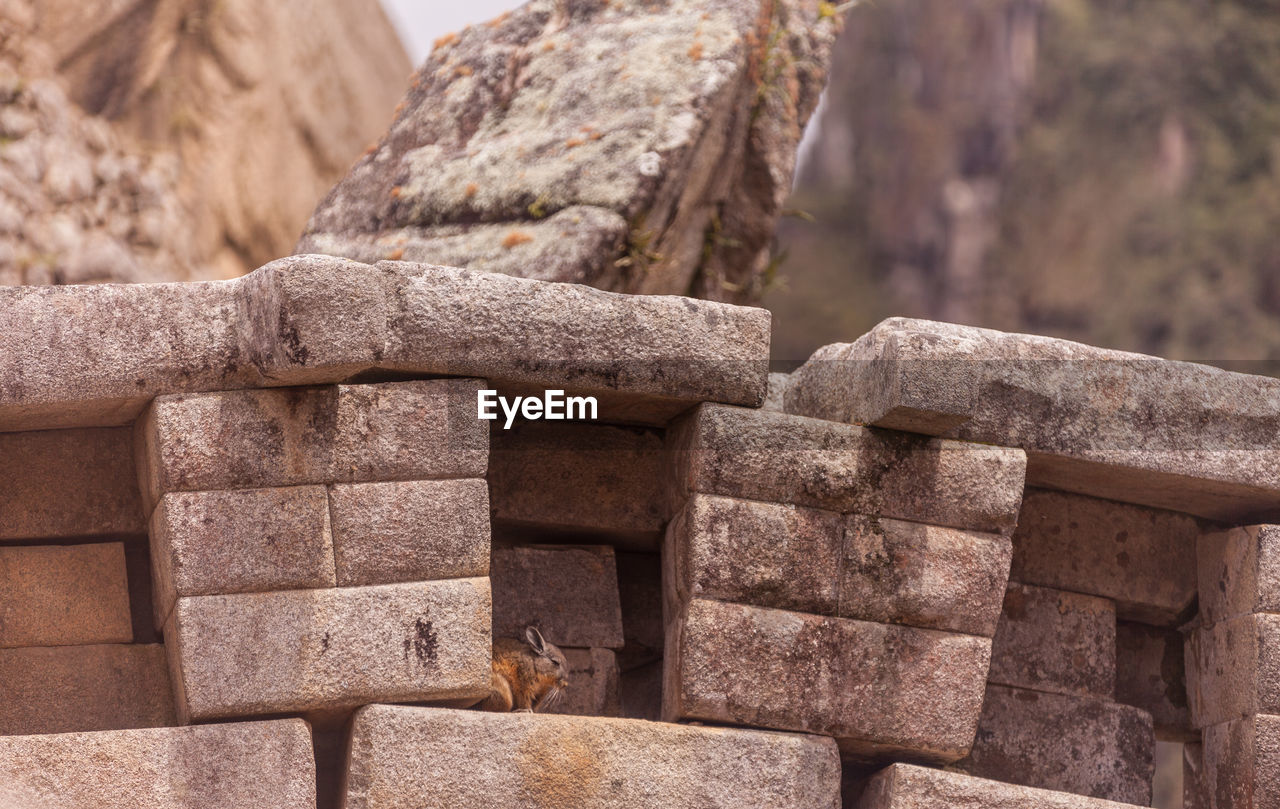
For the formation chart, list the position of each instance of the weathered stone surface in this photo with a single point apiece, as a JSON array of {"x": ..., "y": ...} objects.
[
  {"x": 678, "y": 110},
  {"x": 808, "y": 560},
  {"x": 241, "y": 541},
  {"x": 774, "y": 398},
  {"x": 570, "y": 592},
  {"x": 1093, "y": 421},
  {"x": 593, "y": 684},
  {"x": 1054, "y": 741},
  {"x": 1151, "y": 675},
  {"x": 765, "y": 554},
  {"x": 775, "y": 457},
  {"x": 645, "y": 358},
  {"x": 415, "y": 530},
  {"x": 901, "y": 572},
  {"x": 1239, "y": 572},
  {"x": 124, "y": 345},
  {"x": 206, "y": 767},
  {"x": 1242, "y": 763},
  {"x": 1052, "y": 640},
  {"x": 580, "y": 477},
  {"x": 66, "y": 483},
  {"x": 297, "y": 650},
  {"x": 412, "y": 757},
  {"x": 62, "y": 689},
  {"x": 905, "y": 786},
  {"x": 317, "y": 100},
  {"x": 293, "y": 436},
  {"x": 1141, "y": 558},
  {"x": 1233, "y": 669},
  {"x": 64, "y": 595},
  {"x": 880, "y": 690},
  {"x": 640, "y": 692},
  {"x": 316, "y": 319},
  {"x": 410, "y": 431},
  {"x": 577, "y": 245},
  {"x": 640, "y": 595}
]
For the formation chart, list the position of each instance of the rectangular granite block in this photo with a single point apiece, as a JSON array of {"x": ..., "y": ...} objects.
[
  {"x": 407, "y": 758},
  {"x": 774, "y": 457},
  {"x": 879, "y": 689},
  {"x": 64, "y": 595},
  {"x": 62, "y": 689},
  {"x": 308, "y": 650},
  {"x": 1053, "y": 640},
  {"x": 906, "y": 786},
  {"x": 245, "y": 764},
  {"x": 1144, "y": 559},
  {"x": 415, "y": 530},
  {"x": 424, "y": 429},
  {"x": 239, "y": 541},
  {"x": 570, "y": 592},
  {"x": 1233, "y": 669},
  {"x": 1239, "y": 572},
  {"x": 1084, "y": 745},
  {"x": 68, "y": 483}
]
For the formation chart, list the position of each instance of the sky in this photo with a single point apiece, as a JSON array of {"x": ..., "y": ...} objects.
[{"x": 421, "y": 22}]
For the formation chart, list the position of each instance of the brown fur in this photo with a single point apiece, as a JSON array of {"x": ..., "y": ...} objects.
[{"x": 524, "y": 679}]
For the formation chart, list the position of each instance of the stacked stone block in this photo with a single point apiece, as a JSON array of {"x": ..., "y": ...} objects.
[
  {"x": 317, "y": 549},
  {"x": 826, "y": 578},
  {"x": 75, "y": 650},
  {"x": 1233, "y": 668},
  {"x": 1070, "y": 685}
]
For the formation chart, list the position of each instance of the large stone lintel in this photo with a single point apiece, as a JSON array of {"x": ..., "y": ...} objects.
[
  {"x": 95, "y": 355},
  {"x": 1113, "y": 424}
]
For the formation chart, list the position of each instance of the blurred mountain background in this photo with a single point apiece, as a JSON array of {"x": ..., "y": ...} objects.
[{"x": 1091, "y": 169}]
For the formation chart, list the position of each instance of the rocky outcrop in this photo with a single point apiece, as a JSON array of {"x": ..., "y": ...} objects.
[
  {"x": 633, "y": 146},
  {"x": 259, "y": 107},
  {"x": 77, "y": 204}
]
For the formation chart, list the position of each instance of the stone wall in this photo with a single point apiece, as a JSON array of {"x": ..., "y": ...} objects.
[{"x": 255, "y": 543}]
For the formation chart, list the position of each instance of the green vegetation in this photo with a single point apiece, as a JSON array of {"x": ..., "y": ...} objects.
[{"x": 1135, "y": 168}]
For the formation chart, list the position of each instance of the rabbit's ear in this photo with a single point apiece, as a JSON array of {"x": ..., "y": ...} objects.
[{"x": 535, "y": 641}]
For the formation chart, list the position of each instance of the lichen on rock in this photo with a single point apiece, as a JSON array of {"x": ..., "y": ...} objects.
[{"x": 678, "y": 120}]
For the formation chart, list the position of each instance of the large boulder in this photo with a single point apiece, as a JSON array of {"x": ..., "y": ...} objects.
[{"x": 634, "y": 146}]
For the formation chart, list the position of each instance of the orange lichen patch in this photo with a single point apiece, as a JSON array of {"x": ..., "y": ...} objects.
[
  {"x": 561, "y": 769},
  {"x": 445, "y": 41},
  {"x": 401, "y": 106},
  {"x": 498, "y": 20},
  {"x": 695, "y": 51},
  {"x": 396, "y": 191},
  {"x": 548, "y": 46},
  {"x": 573, "y": 143},
  {"x": 470, "y": 190},
  {"x": 463, "y": 70},
  {"x": 516, "y": 237},
  {"x": 396, "y": 255},
  {"x": 595, "y": 136},
  {"x": 370, "y": 149}
]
